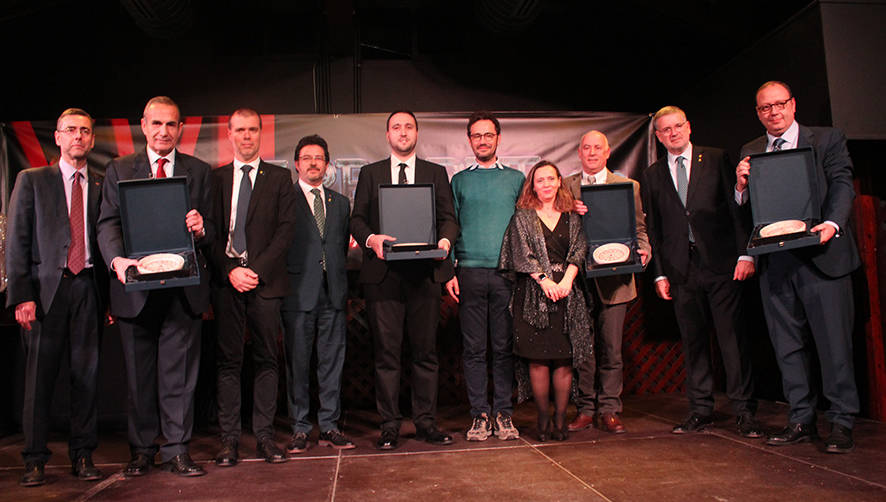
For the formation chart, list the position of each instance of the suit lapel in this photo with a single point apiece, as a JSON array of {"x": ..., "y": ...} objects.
[
  {"x": 667, "y": 183},
  {"x": 94, "y": 188},
  {"x": 805, "y": 137},
  {"x": 697, "y": 170},
  {"x": 227, "y": 193},
  {"x": 257, "y": 188},
  {"x": 142, "y": 166}
]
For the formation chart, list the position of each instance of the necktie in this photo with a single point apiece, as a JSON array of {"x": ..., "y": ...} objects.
[
  {"x": 245, "y": 194},
  {"x": 319, "y": 214},
  {"x": 77, "y": 249},
  {"x": 683, "y": 187},
  {"x": 401, "y": 179},
  {"x": 777, "y": 144},
  {"x": 320, "y": 218},
  {"x": 592, "y": 180},
  {"x": 161, "y": 173}
]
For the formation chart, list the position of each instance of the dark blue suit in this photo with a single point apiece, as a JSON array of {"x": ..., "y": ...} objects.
[
  {"x": 314, "y": 309},
  {"x": 809, "y": 290},
  {"x": 69, "y": 308}
]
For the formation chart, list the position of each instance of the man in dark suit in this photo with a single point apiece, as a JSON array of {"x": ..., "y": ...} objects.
[
  {"x": 314, "y": 309},
  {"x": 601, "y": 378},
  {"x": 159, "y": 329},
  {"x": 699, "y": 238},
  {"x": 809, "y": 290},
  {"x": 254, "y": 217},
  {"x": 405, "y": 291},
  {"x": 57, "y": 285}
]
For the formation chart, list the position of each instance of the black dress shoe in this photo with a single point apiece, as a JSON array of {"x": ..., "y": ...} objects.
[
  {"x": 389, "y": 440},
  {"x": 793, "y": 433},
  {"x": 268, "y": 450},
  {"x": 138, "y": 465},
  {"x": 695, "y": 423},
  {"x": 182, "y": 465},
  {"x": 228, "y": 456},
  {"x": 33, "y": 475},
  {"x": 839, "y": 440},
  {"x": 748, "y": 426},
  {"x": 433, "y": 436},
  {"x": 85, "y": 470},
  {"x": 298, "y": 443}
]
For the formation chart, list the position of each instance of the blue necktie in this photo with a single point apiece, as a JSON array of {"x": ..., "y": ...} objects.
[{"x": 777, "y": 144}]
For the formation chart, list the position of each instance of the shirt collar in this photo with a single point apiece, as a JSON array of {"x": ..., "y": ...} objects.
[
  {"x": 410, "y": 162},
  {"x": 254, "y": 164},
  {"x": 790, "y": 135},
  {"x": 306, "y": 188},
  {"x": 686, "y": 154},
  {"x": 68, "y": 169},
  {"x": 153, "y": 156},
  {"x": 495, "y": 165}
]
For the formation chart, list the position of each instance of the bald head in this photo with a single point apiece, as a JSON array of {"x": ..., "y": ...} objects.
[{"x": 593, "y": 151}]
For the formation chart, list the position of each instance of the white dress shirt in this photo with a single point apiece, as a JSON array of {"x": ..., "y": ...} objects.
[
  {"x": 410, "y": 169},
  {"x": 168, "y": 169},
  {"x": 235, "y": 197}
]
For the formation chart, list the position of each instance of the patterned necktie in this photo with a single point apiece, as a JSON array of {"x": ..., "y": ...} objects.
[
  {"x": 319, "y": 213},
  {"x": 242, "y": 208},
  {"x": 592, "y": 180},
  {"x": 777, "y": 144},
  {"x": 683, "y": 187},
  {"x": 77, "y": 249},
  {"x": 161, "y": 173},
  {"x": 401, "y": 179}
]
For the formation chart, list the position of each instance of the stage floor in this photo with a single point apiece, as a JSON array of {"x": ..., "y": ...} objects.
[{"x": 646, "y": 463}]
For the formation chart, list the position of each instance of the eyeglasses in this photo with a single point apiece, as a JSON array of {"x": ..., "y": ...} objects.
[
  {"x": 777, "y": 106},
  {"x": 71, "y": 131},
  {"x": 674, "y": 128},
  {"x": 308, "y": 158},
  {"x": 489, "y": 136}
]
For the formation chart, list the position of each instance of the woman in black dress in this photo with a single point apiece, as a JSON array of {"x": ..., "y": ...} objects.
[{"x": 545, "y": 247}]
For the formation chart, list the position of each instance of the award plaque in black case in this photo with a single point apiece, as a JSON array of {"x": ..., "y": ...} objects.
[
  {"x": 407, "y": 213},
  {"x": 610, "y": 219},
  {"x": 783, "y": 186},
  {"x": 152, "y": 214}
]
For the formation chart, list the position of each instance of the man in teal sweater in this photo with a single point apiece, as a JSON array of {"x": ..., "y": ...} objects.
[{"x": 484, "y": 195}]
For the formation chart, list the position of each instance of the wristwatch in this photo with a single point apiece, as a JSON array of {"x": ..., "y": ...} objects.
[{"x": 541, "y": 277}]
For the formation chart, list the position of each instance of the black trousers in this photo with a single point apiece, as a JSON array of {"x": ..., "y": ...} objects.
[
  {"x": 235, "y": 312},
  {"x": 407, "y": 297},
  {"x": 70, "y": 328},
  {"x": 707, "y": 299},
  {"x": 161, "y": 347},
  {"x": 802, "y": 305}
]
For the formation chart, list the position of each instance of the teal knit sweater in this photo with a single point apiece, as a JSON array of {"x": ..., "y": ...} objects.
[{"x": 484, "y": 203}]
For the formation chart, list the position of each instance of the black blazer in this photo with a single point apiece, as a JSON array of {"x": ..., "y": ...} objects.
[
  {"x": 270, "y": 223},
  {"x": 365, "y": 221},
  {"x": 39, "y": 234},
  {"x": 110, "y": 235},
  {"x": 720, "y": 232},
  {"x": 304, "y": 261},
  {"x": 839, "y": 256}
]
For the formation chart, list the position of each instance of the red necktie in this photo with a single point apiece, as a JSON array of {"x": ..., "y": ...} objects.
[
  {"x": 161, "y": 173},
  {"x": 77, "y": 249}
]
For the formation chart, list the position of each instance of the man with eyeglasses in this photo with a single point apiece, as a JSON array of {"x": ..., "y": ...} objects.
[
  {"x": 601, "y": 378},
  {"x": 699, "y": 238},
  {"x": 406, "y": 293},
  {"x": 484, "y": 196},
  {"x": 315, "y": 306},
  {"x": 253, "y": 206},
  {"x": 809, "y": 290},
  {"x": 58, "y": 286}
]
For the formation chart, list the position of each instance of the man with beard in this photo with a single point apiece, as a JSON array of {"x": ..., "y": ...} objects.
[
  {"x": 314, "y": 310},
  {"x": 808, "y": 291},
  {"x": 253, "y": 208},
  {"x": 484, "y": 196},
  {"x": 58, "y": 286},
  {"x": 601, "y": 378},
  {"x": 404, "y": 292}
]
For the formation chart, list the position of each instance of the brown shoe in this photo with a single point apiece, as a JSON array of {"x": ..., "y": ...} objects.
[
  {"x": 610, "y": 422},
  {"x": 581, "y": 423}
]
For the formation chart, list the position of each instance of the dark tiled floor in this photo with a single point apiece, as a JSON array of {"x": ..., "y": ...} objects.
[{"x": 646, "y": 463}]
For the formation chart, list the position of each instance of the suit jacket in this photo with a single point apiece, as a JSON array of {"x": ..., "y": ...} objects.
[
  {"x": 39, "y": 234},
  {"x": 304, "y": 262},
  {"x": 839, "y": 256},
  {"x": 720, "y": 232},
  {"x": 365, "y": 220},
  {"x": 270, "y": 223},
  {"x": 110, "y": 235},
  {"x": 617, "y": 288}
]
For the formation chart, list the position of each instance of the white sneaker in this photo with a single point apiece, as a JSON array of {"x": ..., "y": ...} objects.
[
  {"x": 504, "y": 427},
  {"x": 480, "y": 430}
]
